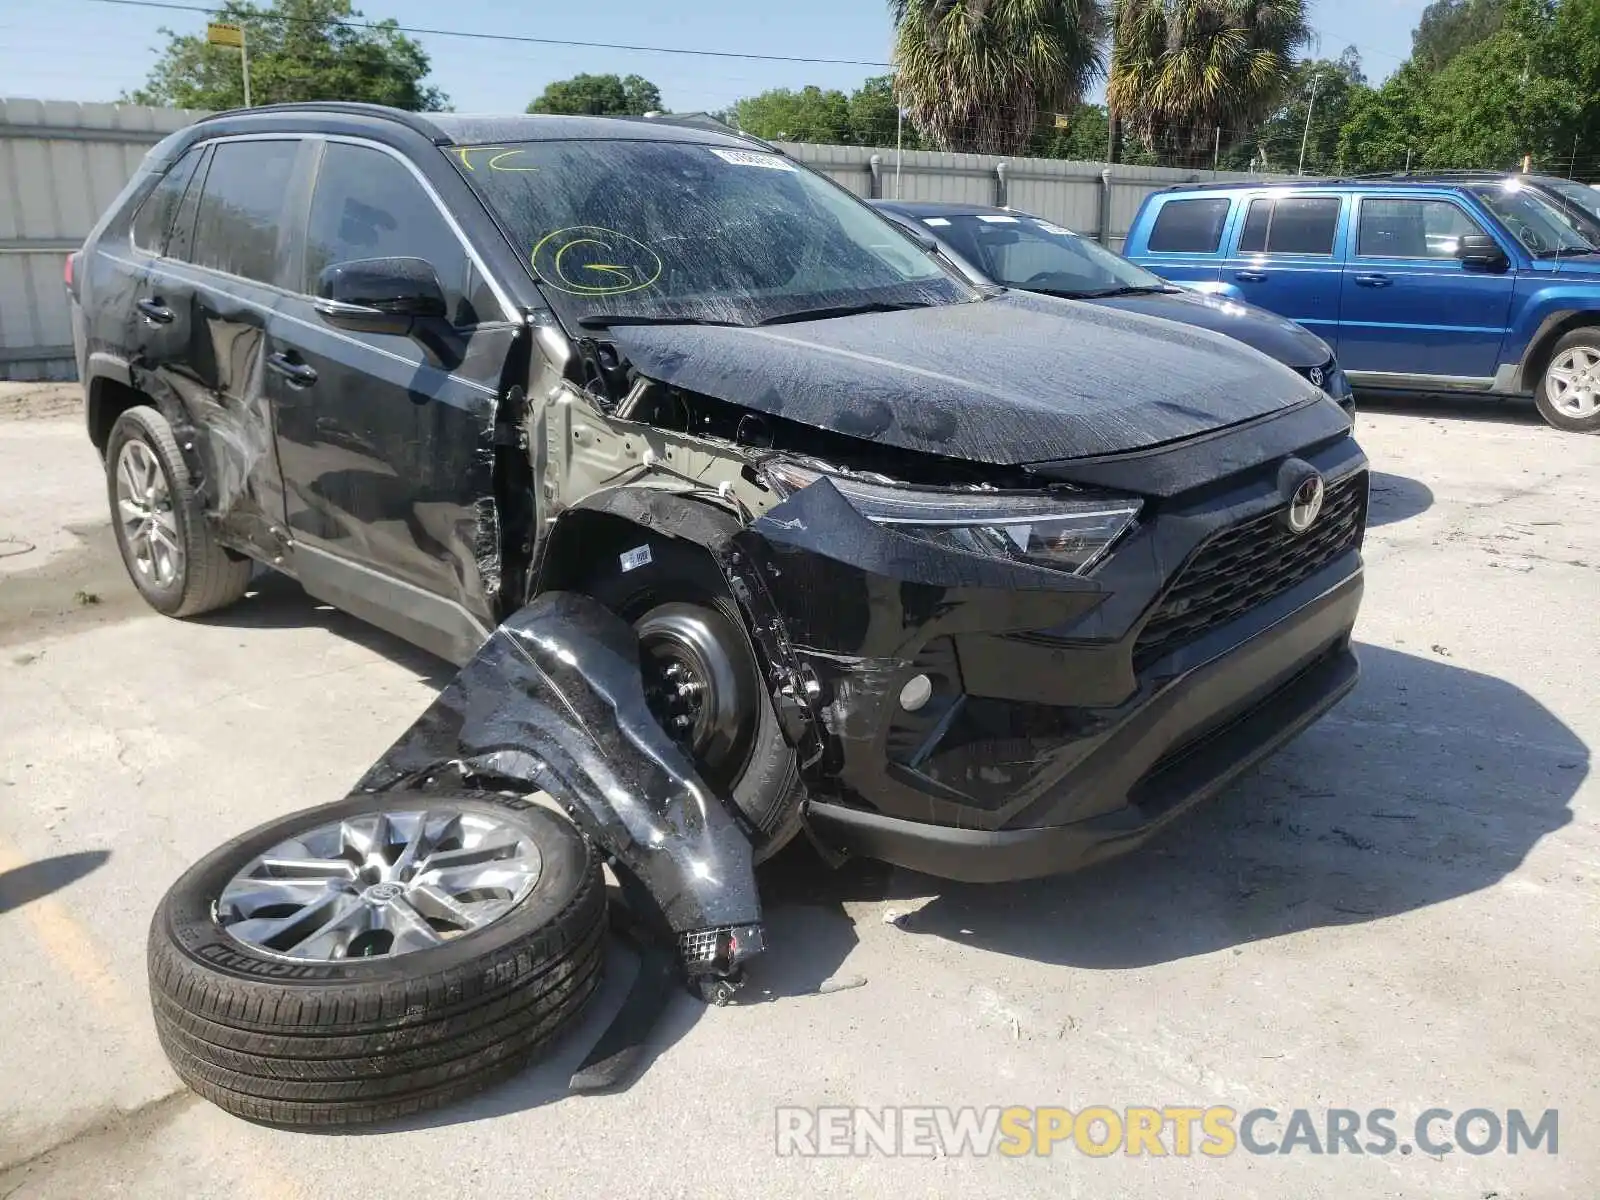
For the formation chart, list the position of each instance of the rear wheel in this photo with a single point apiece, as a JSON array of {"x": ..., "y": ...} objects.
[
  {"x": 170, "y": 549},
  {"x": 1569, "y": 393}
]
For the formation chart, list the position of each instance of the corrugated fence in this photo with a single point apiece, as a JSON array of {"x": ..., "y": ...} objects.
[{"x": 62, "y": 163}]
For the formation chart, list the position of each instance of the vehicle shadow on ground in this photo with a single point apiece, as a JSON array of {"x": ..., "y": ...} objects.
[
  {"x": 25, "y": 884},
  {"x": 1396, "y": 498},
  {"x": 1494, "y": 410},
  {"x": 1431, "y": 782},
  {"x": 277, "y": 602}
]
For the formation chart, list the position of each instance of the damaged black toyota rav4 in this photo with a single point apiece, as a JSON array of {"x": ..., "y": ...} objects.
[{"x": 744, "y": 515}]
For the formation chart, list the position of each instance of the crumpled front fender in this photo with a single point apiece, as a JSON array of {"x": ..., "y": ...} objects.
[{"x": 554, "y": 702}]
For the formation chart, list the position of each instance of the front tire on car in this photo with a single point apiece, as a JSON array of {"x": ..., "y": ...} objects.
[
  {"x": 170, "y": 549},
  {"x": 377, "y": 957},
  {"x": 1569, "y": 394}
]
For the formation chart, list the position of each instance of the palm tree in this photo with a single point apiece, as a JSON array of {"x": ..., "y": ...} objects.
[
  {"x": 977, "y": 75},
  {"x": 1183, "y": 69}
]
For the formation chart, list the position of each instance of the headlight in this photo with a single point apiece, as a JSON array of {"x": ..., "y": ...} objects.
[{"x": 1063, "y": 533}]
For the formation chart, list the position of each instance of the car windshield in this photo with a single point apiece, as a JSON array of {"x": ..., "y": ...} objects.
[
  {"x": 650, "y": 230},
  {"x": 1025, "y": 252},
  {"x": 1582, "y": 198},
  {"x": 1534, "y": 222}
]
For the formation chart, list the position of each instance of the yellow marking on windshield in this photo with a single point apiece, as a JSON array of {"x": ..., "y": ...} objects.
[
  {"x": 497, "y": 163},
  {"x": 618, "y": 275}
]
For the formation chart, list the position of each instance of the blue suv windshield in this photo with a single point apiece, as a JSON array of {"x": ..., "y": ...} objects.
[
  {"x": 642, "y": 231},
  {"x": 1533, "y": 222}
]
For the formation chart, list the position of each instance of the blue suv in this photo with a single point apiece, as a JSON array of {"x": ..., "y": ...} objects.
[{"x": 1433, "y": 286}]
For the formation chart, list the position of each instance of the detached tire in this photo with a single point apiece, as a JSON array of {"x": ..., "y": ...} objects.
[
  {"x": 169, "y": 548},
  {"x": 377, "y": 957}
]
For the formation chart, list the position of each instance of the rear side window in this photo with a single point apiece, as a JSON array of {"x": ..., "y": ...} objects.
[
  {"x": 242, "y": 208},
  {"x": 1190, "y": 226},
  {"x": 369, "y": 205},
  {"x": 153, "y": 224},
  {"x": 1300, "y": 225},
  {"x": 1412, "y": 229}
]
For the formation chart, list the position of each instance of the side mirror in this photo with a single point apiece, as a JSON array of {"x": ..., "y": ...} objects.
[
  {"x": 1482, "y": 251},
  {"x": 380, "y": 295}
]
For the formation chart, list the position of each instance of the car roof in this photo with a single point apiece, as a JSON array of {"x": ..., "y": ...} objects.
[
  {"x": 1419, "y": 179},
  {"x": 940, "y": 208},
  {"x": 462, "y": 129}
]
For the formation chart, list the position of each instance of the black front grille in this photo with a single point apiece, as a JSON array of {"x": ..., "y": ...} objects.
[{"x": 1244, "y": 567}]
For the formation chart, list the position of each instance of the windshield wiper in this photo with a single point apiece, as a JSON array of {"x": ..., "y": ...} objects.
[
  {"x": 611, "y": 322},
  {"x": 1108, "y": 293},
  {"x": 841, "y": 310}
]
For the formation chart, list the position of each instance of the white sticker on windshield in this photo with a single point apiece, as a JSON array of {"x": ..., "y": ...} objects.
[
  {"x": 937, "y": 221},
  {"x": 998, "y": 220},
  {"x": 1055, "y": 229},
  {"x": 751, "y": 158}
]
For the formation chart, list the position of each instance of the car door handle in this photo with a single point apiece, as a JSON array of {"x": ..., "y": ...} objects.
[
  {"x": 1251, "y": 276},
  {"x": 1373, "y": 281},
  {"x": 297, "y": 373},
  {"x": 155, "y": 312}
]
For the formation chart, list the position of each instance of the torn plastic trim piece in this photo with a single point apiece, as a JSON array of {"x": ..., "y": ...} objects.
[{"x": 554, "y": 701}]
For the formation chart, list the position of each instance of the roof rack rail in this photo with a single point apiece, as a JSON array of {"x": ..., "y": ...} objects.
[
  {"x": 351, "y": 108},
  {"x": 705, "y": 121}
]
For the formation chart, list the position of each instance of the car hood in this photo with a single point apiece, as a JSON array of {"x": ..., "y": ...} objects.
[
  {"x": 1278, "y": 337},
  {"x": 1011, "y": 380}
]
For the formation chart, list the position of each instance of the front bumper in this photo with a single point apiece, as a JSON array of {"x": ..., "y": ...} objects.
[
  {"x": 1069, "y": 718},
  {"x": 1246, "y": 706}
]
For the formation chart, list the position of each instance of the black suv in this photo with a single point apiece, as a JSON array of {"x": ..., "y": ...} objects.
[{"x": 722, "y": 486}]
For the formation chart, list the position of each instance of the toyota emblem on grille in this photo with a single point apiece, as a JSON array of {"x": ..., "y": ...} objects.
[
  {"x": 1305, "y": 506},
  {"x": 1317, "y": 377}
]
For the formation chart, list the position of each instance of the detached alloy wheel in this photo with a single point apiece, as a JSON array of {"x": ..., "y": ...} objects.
[
  {"x": 377, "y": 957},
  {"x": 1569, "y": 394}
]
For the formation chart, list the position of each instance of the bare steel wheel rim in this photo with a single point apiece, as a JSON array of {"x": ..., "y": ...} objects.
[
  {"x": 382, "y": 884},
  {"x": 1575, "y": 382},
  {"x": 144, "y": 512}
]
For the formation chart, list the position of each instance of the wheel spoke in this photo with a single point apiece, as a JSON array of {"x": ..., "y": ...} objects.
[
  {"x": 1565, "y": 376},
  {"x": 283, "y": 934},
  {"x": 435, "y": 902},
  {"x": 410, "y": 930},
  {"x": 489, "y": 850},
  {"x": 326, "y": 869}
]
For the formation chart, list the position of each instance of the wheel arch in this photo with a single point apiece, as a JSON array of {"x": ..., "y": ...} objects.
[{"x": 1542, "y": 348}]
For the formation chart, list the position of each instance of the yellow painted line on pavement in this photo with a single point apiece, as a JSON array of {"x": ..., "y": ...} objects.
[{"x": 71, "y": 946}]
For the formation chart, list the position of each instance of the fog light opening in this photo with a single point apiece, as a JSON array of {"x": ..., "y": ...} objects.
[{"x": 916, "y": 694}]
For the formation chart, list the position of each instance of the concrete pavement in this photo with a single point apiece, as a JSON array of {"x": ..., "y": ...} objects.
[{"x": 1401, "y": 911}]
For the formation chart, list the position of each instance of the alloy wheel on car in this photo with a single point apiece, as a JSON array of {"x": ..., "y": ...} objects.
[
  {"x": 1574, "y": 382},
  {"x": 144, "y": 508}
]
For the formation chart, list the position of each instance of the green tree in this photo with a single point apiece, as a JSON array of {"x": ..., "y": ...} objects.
[
  {"x": 1087, "y": 133},
  {"x": 809, "y": 115},
  {"x": 600, "y": 96},
  {"x": 1183, "y": 69},
  {"x": 1450, "y": 26},
  {"x": 1321, "y": 90},
  {"x": 299, "y": 50},
  {"x": 875, "y": 116},
  {"x": 1528, "y": 90},
  {"x": 976, "y": 75}
]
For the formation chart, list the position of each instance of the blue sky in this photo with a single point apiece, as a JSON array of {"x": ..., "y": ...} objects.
[{"x": 82, "y": 50}]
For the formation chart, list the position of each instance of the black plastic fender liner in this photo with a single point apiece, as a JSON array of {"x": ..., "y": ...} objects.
[{"x": 554, "y": 701}]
